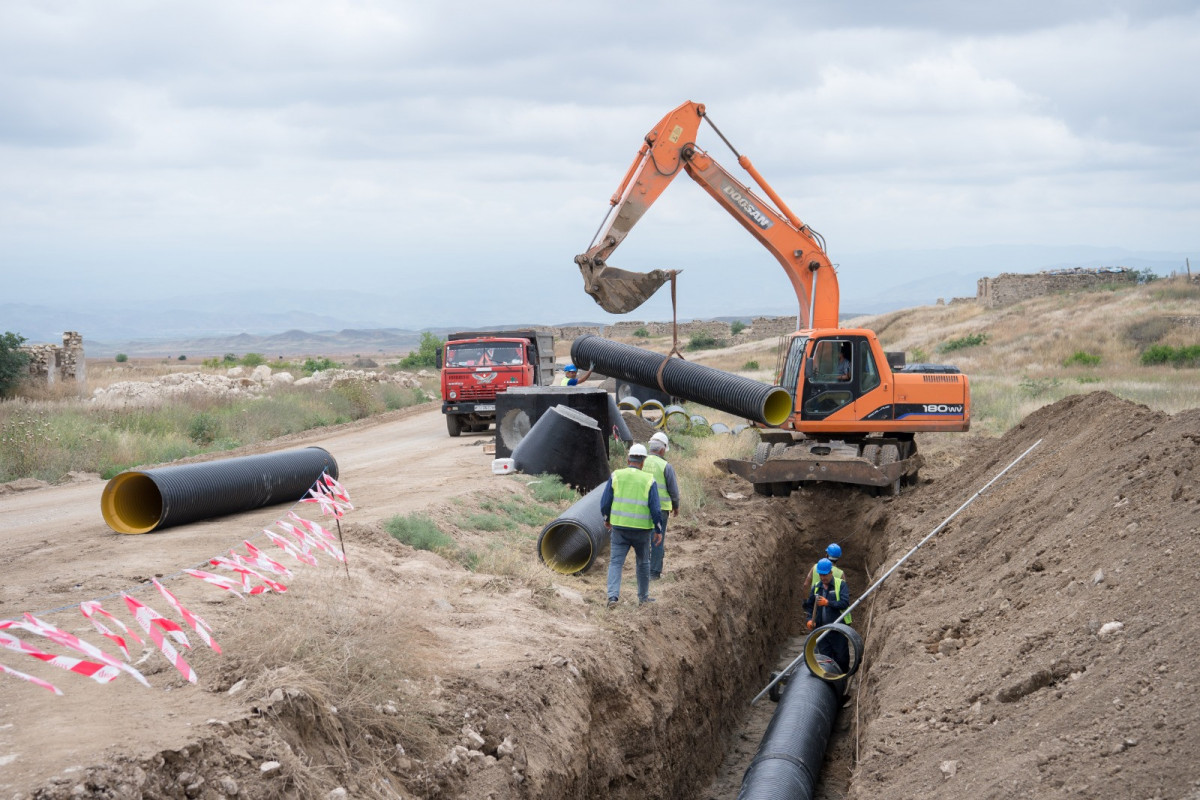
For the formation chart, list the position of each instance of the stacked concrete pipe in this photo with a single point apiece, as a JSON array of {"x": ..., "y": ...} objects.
[
  {"x": 141, "y": 501},
  {"x": 770, "y": 405}
]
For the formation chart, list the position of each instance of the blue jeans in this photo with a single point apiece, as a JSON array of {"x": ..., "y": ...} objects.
[
  {"x": 622, "y": 540},
  {"x": 656, "y": 550}
]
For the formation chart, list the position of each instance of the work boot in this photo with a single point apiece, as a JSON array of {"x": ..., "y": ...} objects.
[
  {"x": 647, "y": 600},
  {"x": 612, "y": 601}
]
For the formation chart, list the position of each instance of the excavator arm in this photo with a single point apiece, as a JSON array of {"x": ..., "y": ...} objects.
[{"x": 668, "y": 148}]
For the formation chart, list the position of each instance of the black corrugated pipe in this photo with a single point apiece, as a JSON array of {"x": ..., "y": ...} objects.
[
  {"x": 771, "y": 405},
  {"x": 788, "y": 761},
  {"x": 566, "y": 443},
  {"x": 573, "y": 541},
  {"x": 617, "y": 420},
  {"x": 147, "y": 500}
]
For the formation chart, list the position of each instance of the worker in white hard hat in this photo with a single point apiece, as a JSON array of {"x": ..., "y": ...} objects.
[
  {"x": 668, "y": 495},
  {"x": 631, "y": 499}
]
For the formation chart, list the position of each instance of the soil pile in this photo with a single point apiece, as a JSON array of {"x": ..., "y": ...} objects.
[{"x": 1043, "y": 645}]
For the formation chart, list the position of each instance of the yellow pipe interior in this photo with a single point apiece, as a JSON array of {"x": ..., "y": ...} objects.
[
  {"x": 777, "y": 407},
  {"x": 131, "y": 503}
]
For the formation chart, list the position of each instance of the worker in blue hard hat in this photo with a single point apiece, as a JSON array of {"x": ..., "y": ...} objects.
[
  {"x": 833, "y": 552},
  {"x": 571, "y": 376},
  {"x": 826, "y": 603}
]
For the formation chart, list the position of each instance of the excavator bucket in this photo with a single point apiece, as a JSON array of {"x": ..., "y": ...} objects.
[{"x": 620, "y": 291}]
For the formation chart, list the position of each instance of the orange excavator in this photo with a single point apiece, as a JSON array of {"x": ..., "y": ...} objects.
[{"x": 855, "y": 408}]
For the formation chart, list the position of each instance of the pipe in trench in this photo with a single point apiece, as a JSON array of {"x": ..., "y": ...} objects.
[
  {"x": 573, "y": 541},
  {"x": 788, "y": 760},
  {"x": 141, "y": 501},
  {"x": 770, "y": 405}
]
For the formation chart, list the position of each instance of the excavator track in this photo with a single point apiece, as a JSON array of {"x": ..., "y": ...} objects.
[{"x": 779, "y": 468}]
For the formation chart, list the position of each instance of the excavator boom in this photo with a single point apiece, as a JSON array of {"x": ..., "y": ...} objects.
[{"x": 669, "y": 148}]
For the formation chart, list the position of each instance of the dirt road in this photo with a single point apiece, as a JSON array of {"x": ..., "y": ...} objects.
[{"x": 57, "y": 551}]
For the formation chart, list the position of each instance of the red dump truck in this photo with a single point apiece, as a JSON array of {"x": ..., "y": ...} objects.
[{"x": 478, "y": 365}]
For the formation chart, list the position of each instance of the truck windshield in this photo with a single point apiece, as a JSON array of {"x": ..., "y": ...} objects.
[{"x": 482, "y": 355}]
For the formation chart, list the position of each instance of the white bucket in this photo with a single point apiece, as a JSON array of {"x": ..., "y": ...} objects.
[{"x": 502, "y": 466}]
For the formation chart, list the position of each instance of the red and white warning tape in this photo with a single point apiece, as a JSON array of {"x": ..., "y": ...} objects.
[{"x": 154, "y": 624}]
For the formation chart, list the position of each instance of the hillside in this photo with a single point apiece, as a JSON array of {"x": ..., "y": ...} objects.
[{"x": 1039, "y": 646}]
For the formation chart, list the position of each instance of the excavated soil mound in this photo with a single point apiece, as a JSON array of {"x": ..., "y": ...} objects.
[{"x": 1043, "y": 644}]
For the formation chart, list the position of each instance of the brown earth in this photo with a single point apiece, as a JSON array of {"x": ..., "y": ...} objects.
[{"x": 991, "y": 669}]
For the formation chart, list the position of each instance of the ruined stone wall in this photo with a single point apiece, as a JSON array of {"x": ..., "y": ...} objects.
[
  {"x": 1009, "y": 288},
  {"x": 50, "y": 363}
]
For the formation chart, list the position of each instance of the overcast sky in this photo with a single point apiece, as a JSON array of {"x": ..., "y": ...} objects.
[{"x": 452, "y": 158}]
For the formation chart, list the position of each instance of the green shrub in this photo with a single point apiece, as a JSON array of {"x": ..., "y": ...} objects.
[
  {"x": 1186, "y": 356},
  {"x": 420, "y": 532},
  {"x": 183, "y": 358},
  {"x": 253, "y": 360},
  {"x": 750, "y": 365},
  {"x": 1036, "y": 387},
  {"x": 204, "y": 428},
  {"x": 426, "y": 353},
  {"x": 701, "y": 340},
  {"x": 919, "y": 356},
  {"x": 963, "y": 342},
  {"x": 1088, "y": 379},
  {"x": 486, "y": 521},
  {"x": 312, "y": 365},
  {"x": 736, "y": 327},
  {"x": 230, "y": 358},
  {"x": 121, "y": 358},
  {"x": 550, "y": 488},
  {"x": 642, "y": 333},
  {"x": 1081, "y": 358},
  {"x": 13, "y": 362},
  {"x": 1147, "y": 275},
  {"x": 359, "y": 401}
]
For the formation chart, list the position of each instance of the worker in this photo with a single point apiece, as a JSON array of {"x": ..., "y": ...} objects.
[
  {"x": 668, "y": 495},
  {"x": 843, "y": 364},
  {"x": 631, "y": 496},
  {"x": 833, "y": 552},
  {"x": 825, "y": 604},
  {"x": 571, "y": 376}
]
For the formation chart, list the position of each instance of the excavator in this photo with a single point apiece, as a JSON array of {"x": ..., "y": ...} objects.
[{"x": 855, "y": 408}]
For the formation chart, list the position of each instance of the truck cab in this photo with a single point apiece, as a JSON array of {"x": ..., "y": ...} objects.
[{"x": 477, "y": 365}]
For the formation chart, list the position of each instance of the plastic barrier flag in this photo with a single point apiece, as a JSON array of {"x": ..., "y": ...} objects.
[
  {"x": 37, "y": 626},
  {"x": 287, "y": 547},
  {"x": 92, "y": 607},
  {"x": 215, "y": 580},
  {"x": 100, "y": 673},
  {"x": 260, "y": 560},
  {"x": 151, "y": 624},
  {"x": 330, "y": 542},
  {"x": 201, "y": 627},
  {"x": 35, "y": 681}
]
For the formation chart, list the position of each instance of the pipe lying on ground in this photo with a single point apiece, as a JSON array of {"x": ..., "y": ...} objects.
[
  {"x": 789, "y": 757},
  {"x": 574, "y": 540},
  {"x": 566, "y": 443},
  {"x": 140, "y": 501},
  {"x": 771, "y": 405}
]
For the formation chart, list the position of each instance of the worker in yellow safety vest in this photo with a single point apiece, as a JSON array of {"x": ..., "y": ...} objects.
[
  {"x": 826, "y": 603},
  {"x": 833, "y": 552},
  {"x": 668, "y": 495},
  {"x": 633, "y": 515}
]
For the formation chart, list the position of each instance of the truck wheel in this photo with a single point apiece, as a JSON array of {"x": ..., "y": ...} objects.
[
  {"x": 871, "y": 453},
  {"x": 453, "y": 424}
]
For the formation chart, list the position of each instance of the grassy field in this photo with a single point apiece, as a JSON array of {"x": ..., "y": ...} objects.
[{"x": 47, "y": 433}]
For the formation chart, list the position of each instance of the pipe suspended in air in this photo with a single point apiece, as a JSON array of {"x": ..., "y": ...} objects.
[
  {"x": 771, "y": 405},
  {"x": 140, "y": 501}
]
